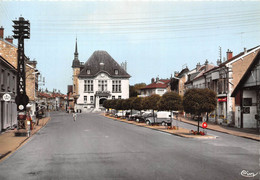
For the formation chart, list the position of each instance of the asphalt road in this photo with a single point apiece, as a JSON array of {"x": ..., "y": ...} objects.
[{"x": 95, "y": 147}]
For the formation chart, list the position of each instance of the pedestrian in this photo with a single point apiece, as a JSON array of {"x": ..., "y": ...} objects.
[{"x": 74, "y": 116}]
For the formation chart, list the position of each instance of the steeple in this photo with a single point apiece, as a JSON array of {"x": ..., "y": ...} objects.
[
  {"x": 76, "y": 50},
  {"x": 76, "y": 62}
]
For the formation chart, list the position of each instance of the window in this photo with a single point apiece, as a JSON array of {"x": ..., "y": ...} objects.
[
  {"x": 85, "y": 99},
  {"x": 102, "y": 85},
  {"x": 119, "y": 97},
  {"x": 247, "y": 101},
  {"x": 88, "y": 71},
  {"x": 116, "y": 86},
  {"x": 8, "y": 81},
  {"x": 2, "y": 79},
  {"x": 91, "y": 99},
  {"x": 116, "y": 71},
  {"x": 88, "y": 86},
  {"x": 113, "y": 97}
]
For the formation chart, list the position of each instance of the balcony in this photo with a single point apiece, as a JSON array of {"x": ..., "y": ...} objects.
[{"x": 103, "y": 93}]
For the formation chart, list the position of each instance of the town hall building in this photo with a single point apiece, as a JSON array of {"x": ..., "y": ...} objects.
[{"x": 99, "y": 79}]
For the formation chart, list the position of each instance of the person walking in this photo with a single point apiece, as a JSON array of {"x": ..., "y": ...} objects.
[{"x": 74, "y": 116}]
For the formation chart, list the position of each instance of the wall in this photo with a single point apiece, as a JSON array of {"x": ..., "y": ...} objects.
[{"x": 9, "y": 52}]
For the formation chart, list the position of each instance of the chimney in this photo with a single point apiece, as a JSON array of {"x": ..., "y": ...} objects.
[
  {"x": 245, "y": 50},
  {"x": 229, "y": 54},
  {"x": 198, "y": 67},
  {"x": 9, "y": 39},
  {"x": 218, "y": 62},
  {"x": 2, "y": 32},
  {"x": 152, "y": 80}
]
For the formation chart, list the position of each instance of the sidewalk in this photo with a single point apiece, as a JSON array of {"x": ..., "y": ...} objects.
[
  {"x": 246, "y": 133},
  {"x": 9, "y": 143},
  {"x": 182, "y": 132}
]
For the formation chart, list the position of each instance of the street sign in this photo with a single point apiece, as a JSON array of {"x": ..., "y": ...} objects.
[
  {"x": 204, "y": 125},
  {"x": 6, "y": 97}
]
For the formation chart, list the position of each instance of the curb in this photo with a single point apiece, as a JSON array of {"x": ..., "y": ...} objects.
[
  {"x": 179, "y": 135},
  {"x": 223, "y": 131},
  {"x": 6, "y": 155}
]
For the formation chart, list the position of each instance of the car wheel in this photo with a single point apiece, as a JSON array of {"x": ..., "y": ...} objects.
[
  {"x": 164, "y": 123},
  {"x": 137, "y": 120},
  {"x": 147, "y": 122}
]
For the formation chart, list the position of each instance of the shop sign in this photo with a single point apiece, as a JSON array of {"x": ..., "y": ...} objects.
[{"x": 222, "y": 99}]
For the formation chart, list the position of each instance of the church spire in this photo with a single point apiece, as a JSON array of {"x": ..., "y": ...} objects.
[
  {"x": 76, "y": 50},
  {"x": 76, "y": 62}
]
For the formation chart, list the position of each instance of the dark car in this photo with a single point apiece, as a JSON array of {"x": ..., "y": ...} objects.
[{"x": 143, "y": 116}]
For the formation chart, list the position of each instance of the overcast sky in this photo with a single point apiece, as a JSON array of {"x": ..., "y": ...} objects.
[{"x": 156, "y": 38}]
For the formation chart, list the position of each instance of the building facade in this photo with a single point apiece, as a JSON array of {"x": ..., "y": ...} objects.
[
  {"x": 8, "y": 111},
  {"x": 99, "y": 79},
  {"x": 247, "y": 97}
]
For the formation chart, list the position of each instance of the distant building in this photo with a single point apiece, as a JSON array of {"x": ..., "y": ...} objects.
[
  {"x": 100, "y": 78},
  {"x": 157, "y": 86}
]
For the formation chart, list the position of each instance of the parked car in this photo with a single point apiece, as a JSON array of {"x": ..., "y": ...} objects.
[
  {"x": 120, "y": 114},
  {"x": 162, "y": 117},
  {"x": 134, "y": 114},
  {"x": 143, "y": 116}
]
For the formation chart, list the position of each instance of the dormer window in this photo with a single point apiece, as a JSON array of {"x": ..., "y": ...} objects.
[
  {"x": 88, "y": 71},
  {"x": 116, "y": 71}
]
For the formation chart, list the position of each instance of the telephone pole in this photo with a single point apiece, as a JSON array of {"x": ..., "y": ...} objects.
[{"x": 21, "y": 32}]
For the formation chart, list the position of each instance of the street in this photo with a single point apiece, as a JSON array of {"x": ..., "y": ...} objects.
[{"x": 96, "y": 147}]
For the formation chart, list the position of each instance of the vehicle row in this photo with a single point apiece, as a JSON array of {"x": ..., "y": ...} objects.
[{"x": 149, "y": 117}]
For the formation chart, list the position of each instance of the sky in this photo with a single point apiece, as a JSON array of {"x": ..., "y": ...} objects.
[{"x": 155, "y": 38}]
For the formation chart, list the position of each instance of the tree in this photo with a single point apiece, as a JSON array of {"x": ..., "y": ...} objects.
[
  {"x": 106, "y": 104},
  {"x": 150, "y": 102},
  {"x": 137, "y": 103},
  {"x": 198, "y": 101},
  {"x": 132, "y": 91},
  {"x": 170, "y": 101}
]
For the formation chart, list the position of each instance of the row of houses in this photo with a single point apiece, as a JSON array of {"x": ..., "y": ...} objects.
[{"x": 236, "y": 82}]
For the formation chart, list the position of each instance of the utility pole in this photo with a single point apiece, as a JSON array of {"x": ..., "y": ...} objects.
[{"x": 21, "y": 32}]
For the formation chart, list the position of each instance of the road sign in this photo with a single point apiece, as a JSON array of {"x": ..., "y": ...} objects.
[
  {"x": 204, "y": 125},
  {"x": 6, "y": 97}
]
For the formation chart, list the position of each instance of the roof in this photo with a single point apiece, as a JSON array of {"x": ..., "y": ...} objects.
[
  {"x": 183, "y": 71},
  {"x": 201, "y": 73},
  {"x": 163, "y": 83},
  {"x": 239, "y": 55},
  {"x": 7, "y": 63},
  {"x": 101, "y": 61},
  {"x": 246, "y": 75}
]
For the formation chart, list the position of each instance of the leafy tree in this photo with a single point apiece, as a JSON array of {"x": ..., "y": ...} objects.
[
  {"x": 150, "y": 102},
  {"x": 139, "y": 86},
  {"x": 106, "y": 104},
  {"x": 137, "y": 103},
  {"x": 132, "y": 91},
  {"x": 113, "y": 103},
  {"x": 170, "y": 101},
  {"x": 119, "y": 104},
  {"x": 198, "y": 101}
]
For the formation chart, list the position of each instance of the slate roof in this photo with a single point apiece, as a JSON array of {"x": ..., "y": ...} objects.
[{"x": 94, "y": 64}]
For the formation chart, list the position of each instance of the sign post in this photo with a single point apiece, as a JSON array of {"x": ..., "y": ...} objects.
[{"x": 21, "y": 32}]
